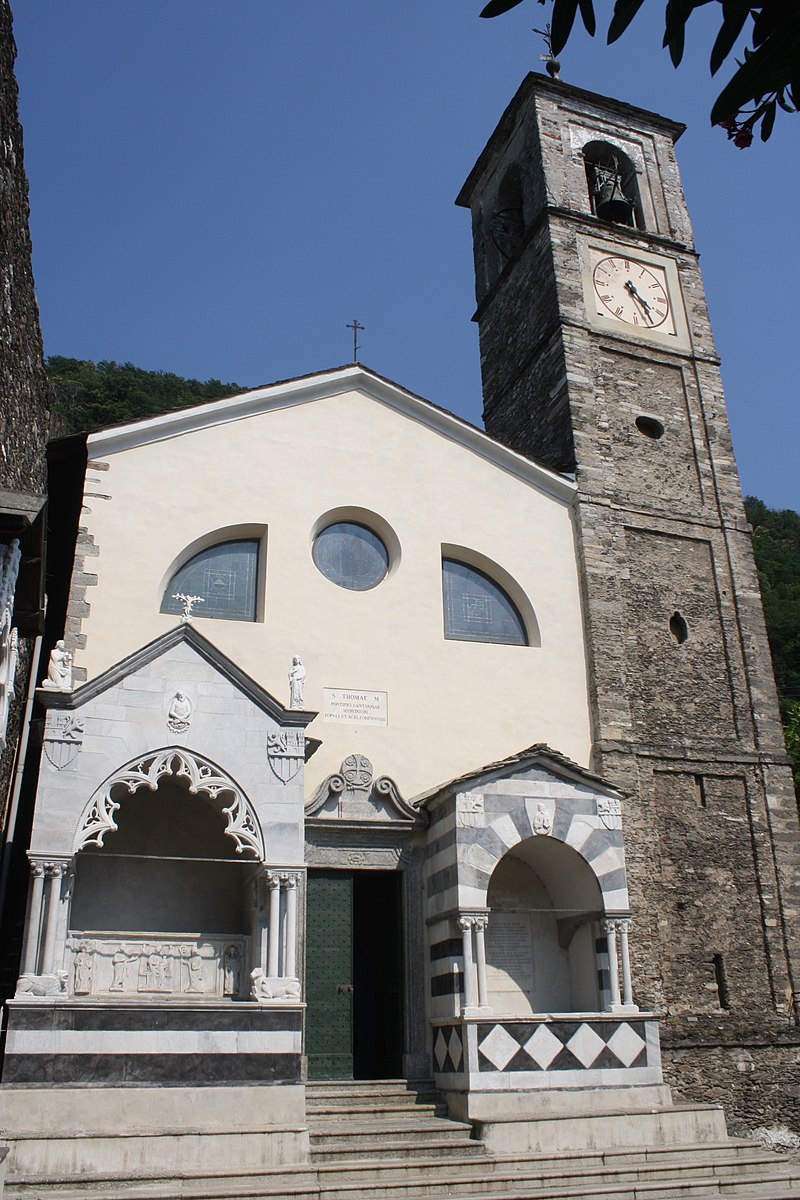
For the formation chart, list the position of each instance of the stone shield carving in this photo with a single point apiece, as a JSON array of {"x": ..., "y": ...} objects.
[
  {"x": 63, "y": 740},
  {"x": 285, "y": 752}
]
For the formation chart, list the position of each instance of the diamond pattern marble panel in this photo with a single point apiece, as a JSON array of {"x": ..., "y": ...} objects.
[
  {"x": 543, "y": 1047},
  {"x": 448, "y": 1049},
  {"x": 626, "y": 1044},
  {"x": 561, "y": 1045},
  {"x": 456, "y": 1051},
  {"x": 499, "y": 1047},
  {"x": 586, "y": 1045}
]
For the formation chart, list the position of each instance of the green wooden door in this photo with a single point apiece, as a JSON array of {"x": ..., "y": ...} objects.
[{"x": 329, "y": 975}]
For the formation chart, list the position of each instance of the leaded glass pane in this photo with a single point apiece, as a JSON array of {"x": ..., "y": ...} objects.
[
  {"x": 225, "y": 576},
  {"x": 476, "y": 609},
  {"x": 351, "y": 556}
]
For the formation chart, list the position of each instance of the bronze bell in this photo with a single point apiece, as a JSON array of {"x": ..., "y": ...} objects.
[{"x": 611, "y": 203}]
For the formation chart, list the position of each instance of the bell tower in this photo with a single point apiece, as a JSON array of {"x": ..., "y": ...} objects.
[{"x": 597, "y": 358}]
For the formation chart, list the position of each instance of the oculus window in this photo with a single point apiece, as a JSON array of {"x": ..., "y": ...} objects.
[
  {"x": 224, "y": 576},
  {"x": 476, "y": 609},
  {"x": 351, "y": 556}
]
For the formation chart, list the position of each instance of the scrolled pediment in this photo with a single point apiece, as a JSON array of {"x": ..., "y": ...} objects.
[{"x": 355, "y": 796}]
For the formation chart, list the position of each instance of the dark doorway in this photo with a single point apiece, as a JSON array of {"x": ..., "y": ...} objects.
[{"x": 354, "y": 976}]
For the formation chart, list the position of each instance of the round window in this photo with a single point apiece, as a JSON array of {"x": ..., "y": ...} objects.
[{"x": 351, "y": 556}]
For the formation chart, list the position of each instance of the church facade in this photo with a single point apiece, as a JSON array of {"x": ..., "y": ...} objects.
[{"x": 380, "y": 747}]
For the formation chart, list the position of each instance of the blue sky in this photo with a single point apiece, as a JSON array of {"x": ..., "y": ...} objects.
[{"x": 218, "y": 188}]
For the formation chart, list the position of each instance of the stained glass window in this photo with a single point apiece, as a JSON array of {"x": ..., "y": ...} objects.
[
  {"x": 351, "y": 556},
  {"x": 478, "y": 610},
  {"x": 224, "y": 576}
]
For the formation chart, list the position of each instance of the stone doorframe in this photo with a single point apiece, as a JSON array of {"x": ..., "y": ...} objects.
[{"x": 386, "y": 848}]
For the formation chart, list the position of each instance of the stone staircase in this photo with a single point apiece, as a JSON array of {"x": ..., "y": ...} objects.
[{"x": 391, "y": 1140}]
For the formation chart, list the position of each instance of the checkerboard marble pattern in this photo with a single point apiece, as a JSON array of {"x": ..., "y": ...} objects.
[{"x": 561, "y": 1045}]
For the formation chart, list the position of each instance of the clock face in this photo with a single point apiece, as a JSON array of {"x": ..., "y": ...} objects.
[{"x": 632, "y": 292}]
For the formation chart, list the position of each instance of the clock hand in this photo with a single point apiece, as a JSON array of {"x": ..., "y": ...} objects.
[{"x": 631, "y": 287}]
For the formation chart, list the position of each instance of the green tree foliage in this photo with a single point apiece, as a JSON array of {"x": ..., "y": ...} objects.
[
  {"x": 88, "y": 396},
  {"x": 766, "y": 79},
  {"x": 776, "y": 545}
]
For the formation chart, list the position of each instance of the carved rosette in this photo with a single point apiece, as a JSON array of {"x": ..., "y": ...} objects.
[{"x": 147, "y": 772}]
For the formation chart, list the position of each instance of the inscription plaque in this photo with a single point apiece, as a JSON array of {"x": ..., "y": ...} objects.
[
  {"x": 350, "y": 706},
  {"x": 508, "y": 949}
]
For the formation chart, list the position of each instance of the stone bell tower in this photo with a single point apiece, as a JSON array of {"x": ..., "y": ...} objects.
[{"x": 597, "y": 357}]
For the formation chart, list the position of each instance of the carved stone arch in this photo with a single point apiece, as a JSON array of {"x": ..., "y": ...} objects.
[
  {"x": 600, "y": 848},
  {"x": 97, "y": 818}
]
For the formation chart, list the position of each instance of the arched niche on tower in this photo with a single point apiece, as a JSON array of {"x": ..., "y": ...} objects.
[{"x": 612, "y": 182}]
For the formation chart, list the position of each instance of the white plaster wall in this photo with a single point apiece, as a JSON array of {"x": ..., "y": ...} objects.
[{"x": 451, "y": 705}]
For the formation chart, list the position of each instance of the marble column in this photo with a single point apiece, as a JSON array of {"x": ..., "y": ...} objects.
[
  {"x": 273, "y": 933},
  {"x": 465, "y": 925},
  {"x": 625, "y": 958},
  {"x": 290, "y": 941},
  {"x": 54, "y": 874},
  {"x": 610, "y": 930},
  {"x": 479, "y": 925},
  {"x": 32, "y": 935}
]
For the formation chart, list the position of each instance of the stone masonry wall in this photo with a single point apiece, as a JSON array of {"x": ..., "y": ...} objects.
[
  {"x": 23, "y": 384},
  {"x": 685, "y": 722}
]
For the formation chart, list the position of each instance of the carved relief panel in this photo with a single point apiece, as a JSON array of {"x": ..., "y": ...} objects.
[{"x": 158, "y": 968}]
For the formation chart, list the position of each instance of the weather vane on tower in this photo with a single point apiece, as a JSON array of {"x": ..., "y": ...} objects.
[{"x": 551, "y": 63}]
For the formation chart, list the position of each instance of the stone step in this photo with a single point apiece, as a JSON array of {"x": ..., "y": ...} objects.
[
  {"x": 346, "y": 1154},
  {"x": 376, "y": 1109},
  {"x": 405, "y": 1129},
  {"x": 768, "y": 1184}
]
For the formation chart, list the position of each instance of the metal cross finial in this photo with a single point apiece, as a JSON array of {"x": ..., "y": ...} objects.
[{"x": 354, "y": 325}]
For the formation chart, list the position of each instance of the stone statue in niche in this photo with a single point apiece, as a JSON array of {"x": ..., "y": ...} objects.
[
  {"x": 542, "y": 821},
  {"x": 232, "y": 971},
  {"x": 179, "y": 716},
  {"x": 82, "y": 971},
  {"x": 119, "y": 962},
  {"x": 264, "y": 988},
  {"x": 194, "y": 968},
  {"x": 59, "y": 670},
  {"x": 297, "y": 681},
  {"x": 154, "y": 970}
]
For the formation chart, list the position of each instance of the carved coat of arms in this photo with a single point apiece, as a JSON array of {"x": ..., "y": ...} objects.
[
  {"x": 63, "y": 739},
  {"x": 285, "y": 752}
]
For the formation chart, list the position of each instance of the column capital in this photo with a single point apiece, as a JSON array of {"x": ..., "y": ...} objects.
[
  {"x": 289, "y": 879},
  {"x": 464, "y": 924},
  {"x": 273, "y": 879}
]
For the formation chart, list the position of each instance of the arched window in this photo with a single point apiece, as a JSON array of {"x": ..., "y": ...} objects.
[
  {"x": 613, "y": 187},
  {"x": 507, "y": 222},
  {"x": 476, "y": 609},
  {"x": 223, "y": 577}
]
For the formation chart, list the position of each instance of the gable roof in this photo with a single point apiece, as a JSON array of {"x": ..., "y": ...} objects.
[
  {"x": 320, "y": 386},
  {"x": 205, "y": 649},
  {"x": 538, "y": 755}
]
